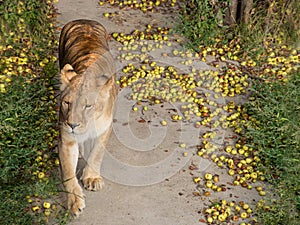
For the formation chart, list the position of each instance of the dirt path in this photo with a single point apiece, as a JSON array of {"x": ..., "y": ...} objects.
[{"x": 148, "y": 175}]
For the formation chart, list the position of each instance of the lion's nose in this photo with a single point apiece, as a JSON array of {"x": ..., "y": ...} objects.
[{"x": 73, "y": 125}]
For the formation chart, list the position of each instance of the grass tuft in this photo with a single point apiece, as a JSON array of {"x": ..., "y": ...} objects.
[{"x": 277, "y": 136}]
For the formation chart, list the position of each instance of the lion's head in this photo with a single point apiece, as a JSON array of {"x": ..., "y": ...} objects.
[{"x": 83, "y": 98}]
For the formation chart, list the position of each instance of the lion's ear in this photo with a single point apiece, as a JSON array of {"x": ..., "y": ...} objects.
[{"x": 66, "y": 74}]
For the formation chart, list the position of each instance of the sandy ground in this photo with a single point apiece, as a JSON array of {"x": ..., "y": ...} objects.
[{"x": 147, "y": 178}]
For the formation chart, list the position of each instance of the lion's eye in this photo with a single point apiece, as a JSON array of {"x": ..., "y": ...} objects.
[
  {"x": 67, "y": 103},
  {"x": 88, "y": 106}
]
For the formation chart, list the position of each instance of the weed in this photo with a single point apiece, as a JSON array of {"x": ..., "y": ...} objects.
[
  {"x": 202, "y": 21},
  {"x": 205, "y": 22},
  {"x": 27, "y": 112},
  {"x": 277, "y": 110}
]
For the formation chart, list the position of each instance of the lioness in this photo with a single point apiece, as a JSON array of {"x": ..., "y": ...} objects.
[{"x": 88, "y": 94}]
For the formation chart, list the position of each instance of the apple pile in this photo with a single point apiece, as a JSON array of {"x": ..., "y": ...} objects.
[{"x": 143, "y": 5}]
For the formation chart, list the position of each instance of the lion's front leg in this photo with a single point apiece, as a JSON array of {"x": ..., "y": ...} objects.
[
  {"x": 91, "y": 178},
  {"x": 68, "y": 154}
]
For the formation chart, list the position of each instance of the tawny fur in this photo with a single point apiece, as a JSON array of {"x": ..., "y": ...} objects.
[{"x": 88, "y": 95}]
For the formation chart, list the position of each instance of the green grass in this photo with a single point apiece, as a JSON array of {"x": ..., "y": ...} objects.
[
  {"x": 200, "y": 23},
  {"x": 22, "y": 137},
  {"x": 28, "y": 129},
  {"x": 277, "y": 136},
  {"x": 203, "y": 22}
]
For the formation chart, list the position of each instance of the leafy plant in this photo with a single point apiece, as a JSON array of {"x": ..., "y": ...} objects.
[
  {"x": 27, "y": 113},
  {"x": 277, "y": 109},
  {"x": 202, "y": 21}
]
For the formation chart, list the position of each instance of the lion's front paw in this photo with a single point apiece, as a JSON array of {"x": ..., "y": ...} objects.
[
  {"x": 93, "y": 183},
  {"x": 76, "y": 202}
]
